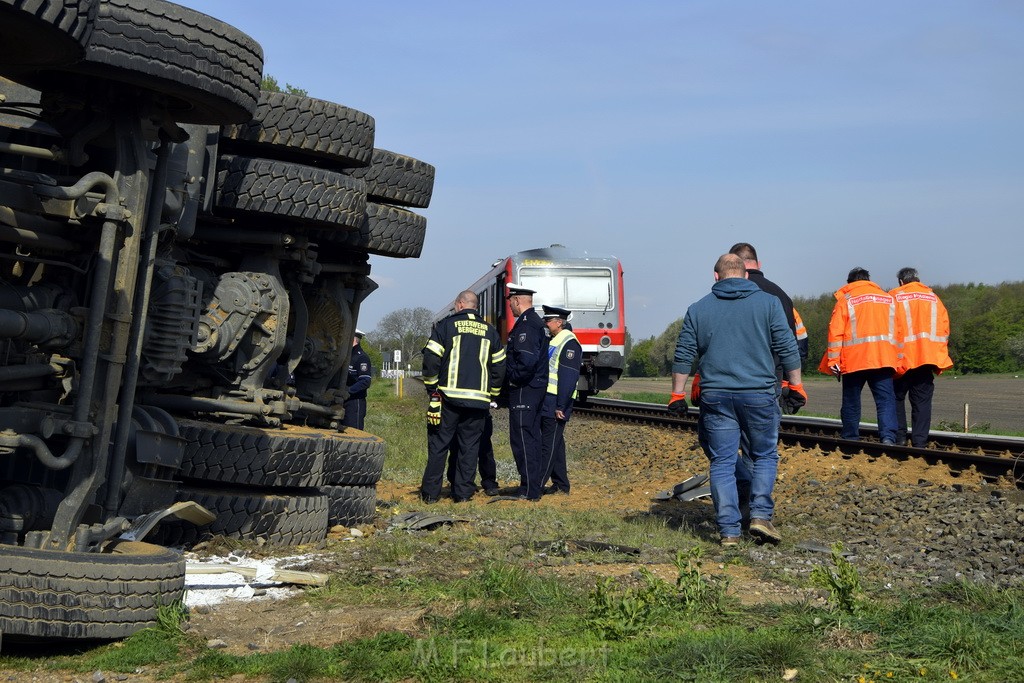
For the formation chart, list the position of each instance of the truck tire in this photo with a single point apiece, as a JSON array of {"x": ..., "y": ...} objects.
[
  {"x": 397, "y": 179},
  {"x": 302, "y": 195},
  {"x": 351, "y": 505},
  {"x": 50, "y": 595},
  {"x": 235, "y": 454},
  {"x": 355, "y": 458},
  {"x": 292, "y": 518},
  {"x": 212, "y": 71},
  {"x": 305, "y": 130},
  {"x": 385, "y": 231},
  {"x": 43, "y": 33}
]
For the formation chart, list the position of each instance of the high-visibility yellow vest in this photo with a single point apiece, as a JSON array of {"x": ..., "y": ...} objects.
[{"x": 554, "y": 353}]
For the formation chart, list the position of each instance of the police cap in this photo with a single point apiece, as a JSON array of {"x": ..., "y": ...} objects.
[
  {"x": 360, "y": 333},
  {"x": 514, "y": 289},
  {"x": 556, "y": 312}
]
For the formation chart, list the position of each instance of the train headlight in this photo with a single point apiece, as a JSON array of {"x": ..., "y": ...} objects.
[{"x": 606, "y": 341}]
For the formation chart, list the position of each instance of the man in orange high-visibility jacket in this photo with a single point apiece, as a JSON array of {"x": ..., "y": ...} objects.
[
  {"x": 924, "y": 349},
  {"x": 862, "y": 349}
]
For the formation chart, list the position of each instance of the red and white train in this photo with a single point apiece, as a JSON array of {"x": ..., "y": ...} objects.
[{"x": 589, "y": 286}]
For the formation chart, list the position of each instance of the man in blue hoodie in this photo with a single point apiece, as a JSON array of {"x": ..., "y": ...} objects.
[{"x": 731, "y": 335}]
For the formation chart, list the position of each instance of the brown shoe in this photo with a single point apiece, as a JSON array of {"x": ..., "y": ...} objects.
[
  {"x": 765, "y": 530},
  {"x": 730, "y": 540}
]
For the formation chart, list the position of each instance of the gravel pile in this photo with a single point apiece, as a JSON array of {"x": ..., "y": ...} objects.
[
  {"x": 906, "y": 535},
  {"x": 902, "y": 523}
]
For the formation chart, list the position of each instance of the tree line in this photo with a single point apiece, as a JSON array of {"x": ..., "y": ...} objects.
[{"x": 986, "y": 331}]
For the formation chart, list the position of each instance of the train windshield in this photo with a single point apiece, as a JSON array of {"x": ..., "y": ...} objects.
[{"x": 578, "y": 289}]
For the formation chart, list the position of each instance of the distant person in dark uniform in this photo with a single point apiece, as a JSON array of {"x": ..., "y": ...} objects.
[
  {"x": 564, "y": 358},
  {"x": 526, "y": 380},
  {"x": 360, "y": 373},
  {"x": 463, "y": 369}
]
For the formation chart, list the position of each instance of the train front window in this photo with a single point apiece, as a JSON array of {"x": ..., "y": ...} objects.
[{"x": 578, "y": 289}]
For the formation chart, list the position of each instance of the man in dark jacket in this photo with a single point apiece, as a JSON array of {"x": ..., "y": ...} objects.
[
  {"x": 526, "y": 380},
  {"x": 732, "y": 335},
  {"x": 463, "y": 368},
  {"x": 564, "y": 358},
  {"x": 360, "y": 374}
]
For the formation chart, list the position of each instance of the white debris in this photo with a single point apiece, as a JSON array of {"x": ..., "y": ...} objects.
[{"x": 212, "y": 589}]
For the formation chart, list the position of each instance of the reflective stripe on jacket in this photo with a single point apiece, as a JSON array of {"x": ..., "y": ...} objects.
[
  {"x": 801, "y": 331},
  {"x": 801, "y": 335},
  {"x": 924, "y": 330},
  {"x": 464, "y": 360},
  {"x": 862, "y": 331}
]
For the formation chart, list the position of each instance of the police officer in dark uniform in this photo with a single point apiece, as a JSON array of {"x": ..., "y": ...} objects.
[
  {"x": 526, "y": 380},
  {"x": 564, "y": 359},
  {"x": 360, "y": 373},
  {"x": 463, "y": 368}
]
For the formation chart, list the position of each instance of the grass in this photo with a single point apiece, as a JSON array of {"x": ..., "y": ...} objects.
[{"x": 499, "y": 607}]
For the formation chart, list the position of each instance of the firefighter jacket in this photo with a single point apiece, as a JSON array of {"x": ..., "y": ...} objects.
[
  {"x": 527, "y": 352},
  {"x": 360, "y": 373},
  {"x": 565, "y": 356},
  {"x": 862, "y": 331},
  {"x": 924, "y": 327},
  {"x": 464, "y": 360}
]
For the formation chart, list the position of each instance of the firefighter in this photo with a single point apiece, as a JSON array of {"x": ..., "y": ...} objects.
[
  {"x": 564, "y": 357},
  {"x": 923, "y": 341},
  {"x": 463, "y": 368},
  {"x": 862, "y": 349},
  {"x": 360, "y": 373},
  {"x": 526, "y": 380}
]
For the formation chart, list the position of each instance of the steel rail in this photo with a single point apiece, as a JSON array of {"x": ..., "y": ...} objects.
[{"x": 993, "y": 456}]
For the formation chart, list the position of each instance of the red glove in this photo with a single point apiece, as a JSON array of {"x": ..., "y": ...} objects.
[
  {"x": 677, "y": 405},
  {"x": 794, "y": 396},
  {"x": 695, "y": 389}
]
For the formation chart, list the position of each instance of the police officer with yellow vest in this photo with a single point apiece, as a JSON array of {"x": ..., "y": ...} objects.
[
  {"x": 564, "y": 357},
  {"x": 463, "y": 368}
]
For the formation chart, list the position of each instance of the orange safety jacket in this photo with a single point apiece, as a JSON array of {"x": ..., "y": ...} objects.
[
  {"x": 801, "y": 331},
  {"x": 862, "y": 332},
  {"x": 924, "y": 330}
]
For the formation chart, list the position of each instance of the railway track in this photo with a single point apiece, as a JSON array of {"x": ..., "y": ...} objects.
[{"x": 994, "y": 457}]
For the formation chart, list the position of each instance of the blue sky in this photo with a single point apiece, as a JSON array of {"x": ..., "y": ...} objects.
[{"x": 828, "y": 134}]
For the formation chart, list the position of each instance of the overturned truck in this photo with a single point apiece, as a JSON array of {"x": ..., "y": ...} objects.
[{"x": 182, "y": 262}]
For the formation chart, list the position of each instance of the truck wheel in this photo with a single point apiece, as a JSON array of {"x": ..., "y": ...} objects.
[
  {"x": 50, "y": 595},
  {"x": 301, "y": 194},
  {"x": 386, "y": 231},
  {"x": 351, "y": 505},
  {"x": 354, "y": 458},
  {"x": 211, "y": 70},
  {"x": 397, "y": 179},
  {"x": 234, "y": 454},
  {"x": 278, "y": 518},
  {"x": 290, "y": 127},
  {"x": 43, "y": 33}
]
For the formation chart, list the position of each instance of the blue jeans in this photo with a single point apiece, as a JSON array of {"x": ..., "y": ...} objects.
[
  {"x": 881, "y": 385},
  {"x": 724, "y": 417}
]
